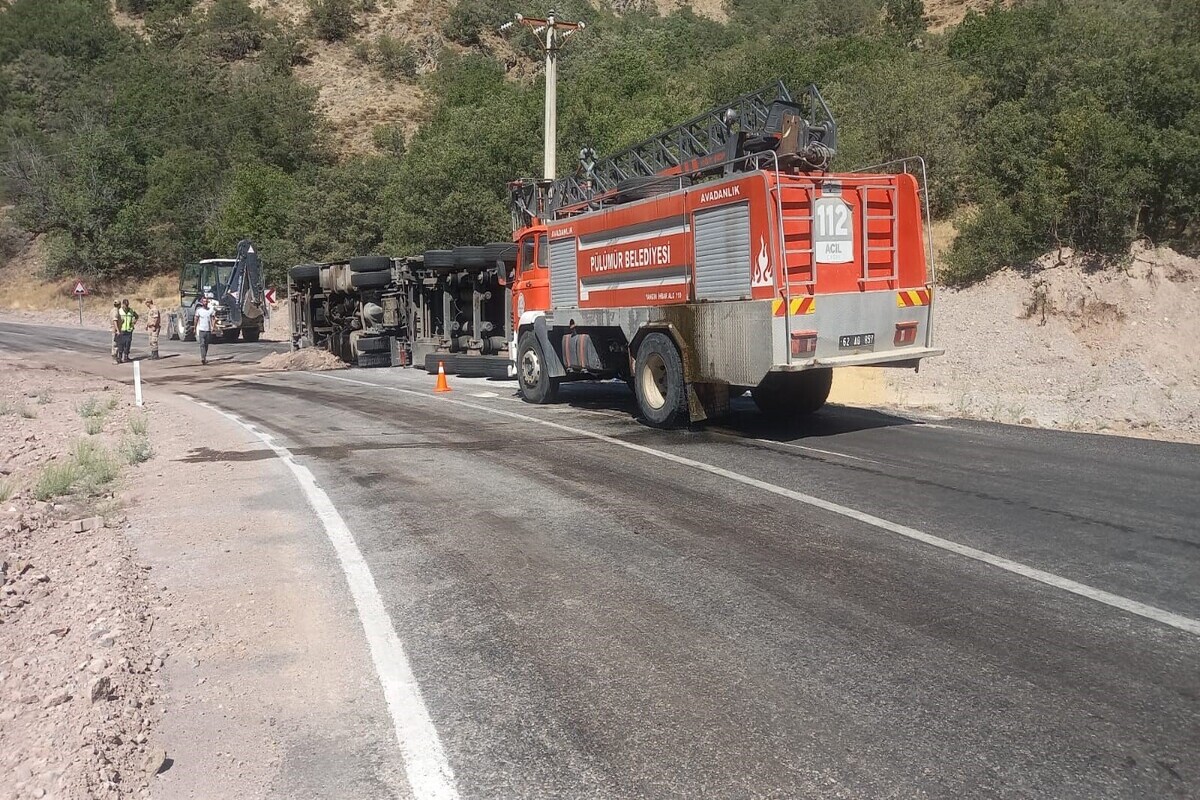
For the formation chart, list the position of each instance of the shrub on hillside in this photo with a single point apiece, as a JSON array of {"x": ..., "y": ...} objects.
[
  {"x": 147, "y": 6},
  {"x": 469, "y": 18},
  {"x": 332, "y": 20},
  {"x": 235, "y": 29},
  {"x": 991, "y": 238},
  {"x": 395, "y": 58}
]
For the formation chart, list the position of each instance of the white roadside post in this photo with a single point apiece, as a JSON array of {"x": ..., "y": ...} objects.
[
  {"x": 137, "y": 383},
  {"x": 551, "y": 34}
]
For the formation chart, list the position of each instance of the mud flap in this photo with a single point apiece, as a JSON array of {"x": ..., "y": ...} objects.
[{"x": 707, "y": 401}]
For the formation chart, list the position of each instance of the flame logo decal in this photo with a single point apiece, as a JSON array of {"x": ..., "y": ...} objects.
[{"x": 762, "y": 266}]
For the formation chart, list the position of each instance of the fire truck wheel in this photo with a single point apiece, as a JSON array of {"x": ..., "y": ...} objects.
[
  {"x": 786, "y": 395},
  {"x": 536, "y": 384},
  {"x": 658, "y": 382}
]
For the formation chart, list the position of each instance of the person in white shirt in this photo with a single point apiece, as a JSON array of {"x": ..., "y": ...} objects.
[{"x": 204, "y": 324}]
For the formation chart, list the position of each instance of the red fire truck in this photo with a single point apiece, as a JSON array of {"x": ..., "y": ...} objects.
[{"x": 721, "y": 256}]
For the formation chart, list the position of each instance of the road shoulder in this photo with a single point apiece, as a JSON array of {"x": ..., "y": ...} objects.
[{"x": 269, "y": 689}]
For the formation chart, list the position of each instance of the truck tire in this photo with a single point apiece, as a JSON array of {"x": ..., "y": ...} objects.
[
  {"x": 500, "y": 251},
  {"x": 172, "y": 328},
  {"x": 370, "y": 280},
  {"x": 230, "y": 336},
  {"x": 370, "y": 264},
  {"x": 251, "y": 334},
  {"x": 305, "y": 273},
  {"x": 658, "y": 382},
  {"x": 471, "y": 257},
  {"x": 788, "y": 395},
  {"x": 535, "y": 384},
  {"x": 439, "y": 259},
  {"x": 373, "y": 344},
  {"x": 186, "y": 331}
]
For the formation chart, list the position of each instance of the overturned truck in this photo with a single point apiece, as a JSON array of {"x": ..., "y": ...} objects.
[{"x": 450, "y": 307}]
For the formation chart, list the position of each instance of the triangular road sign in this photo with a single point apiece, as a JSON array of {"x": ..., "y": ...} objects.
[{"x": 80, "y": 288}]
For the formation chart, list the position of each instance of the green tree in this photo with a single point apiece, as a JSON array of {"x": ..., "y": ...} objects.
[{"x": 235, "y": 30}]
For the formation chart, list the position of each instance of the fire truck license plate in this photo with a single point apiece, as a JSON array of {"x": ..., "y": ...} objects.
[{"x": 856, "y": 340}]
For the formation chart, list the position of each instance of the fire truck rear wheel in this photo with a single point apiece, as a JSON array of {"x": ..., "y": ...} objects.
[
  {"x": 658, "y": 382},
  {"x": 786, "y": 395},
  {"x": 535, "y": 383}
]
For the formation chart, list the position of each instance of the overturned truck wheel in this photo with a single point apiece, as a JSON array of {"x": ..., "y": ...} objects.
[
  {"x": 305, "y": 273},
  {"x": 370, "y": 264},
  {"x": 789, "y": 395}
]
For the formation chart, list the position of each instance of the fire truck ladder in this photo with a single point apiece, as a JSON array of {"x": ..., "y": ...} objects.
[
  {"x": 793, "y": 224},
  {"x": 723, "y": 139},
  {"x": 893, "y": 220}
]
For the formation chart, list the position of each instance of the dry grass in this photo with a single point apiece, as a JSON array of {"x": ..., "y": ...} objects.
[
  {"x": 943, "y": 14},
  {"x": 25, "y": 290}
]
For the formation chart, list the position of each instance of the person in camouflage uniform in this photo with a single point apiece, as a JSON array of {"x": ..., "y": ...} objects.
[
  {"x": 115, "y": 324},
  {"x": 153, "y": 326}
]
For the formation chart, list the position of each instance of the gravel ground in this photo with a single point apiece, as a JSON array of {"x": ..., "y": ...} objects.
[
  {"x": 1064, "y": 347},
  {"x": 78, "y": 694}
]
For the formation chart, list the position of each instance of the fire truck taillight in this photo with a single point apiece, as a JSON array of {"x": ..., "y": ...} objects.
[
  {"x": 804, "y": 343},
  {"x": 906, "y": 333}
]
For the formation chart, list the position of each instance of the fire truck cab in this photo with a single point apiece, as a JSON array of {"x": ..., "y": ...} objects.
[{"x": 741, "y": 267}]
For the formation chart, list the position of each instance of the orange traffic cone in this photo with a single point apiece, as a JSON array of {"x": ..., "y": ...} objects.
[{"x": 441, "y": 385}]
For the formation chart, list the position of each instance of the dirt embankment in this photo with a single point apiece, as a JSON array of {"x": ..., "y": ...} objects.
[
  {"x": 1069, "y": 347},
  {"x": 78, "y": 692}
]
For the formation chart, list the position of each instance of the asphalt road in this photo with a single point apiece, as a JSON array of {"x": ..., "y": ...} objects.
[{"x": 596, "y": 609}]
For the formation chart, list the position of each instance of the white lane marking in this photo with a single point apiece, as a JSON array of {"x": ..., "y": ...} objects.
[
  {"x": 1162, "y": 616},
  {"x": 429, "y": 773},
  {"x": 485, "y": 394}
]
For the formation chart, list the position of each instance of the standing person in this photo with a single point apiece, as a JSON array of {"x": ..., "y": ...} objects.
[
  {"x": 153, "y": 326},
  {"x": 115, "y": 324},
  {"x": 127, "y": 322},
  {"x": 204, "y": 325}
]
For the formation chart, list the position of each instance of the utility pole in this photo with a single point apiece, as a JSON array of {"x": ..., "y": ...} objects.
[{"x": 551, "y": 34}]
